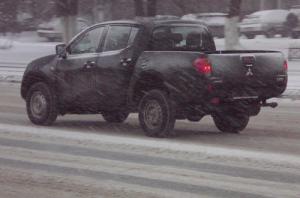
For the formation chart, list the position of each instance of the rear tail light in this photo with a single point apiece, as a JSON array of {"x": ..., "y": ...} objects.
[
  {"x": 203, "y": 66},
  {"x": 285, "y": 66},
  {"x": 215, "y": 101}
]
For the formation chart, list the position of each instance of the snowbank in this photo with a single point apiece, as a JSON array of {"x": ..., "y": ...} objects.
[{"x": 5, "y": 43}]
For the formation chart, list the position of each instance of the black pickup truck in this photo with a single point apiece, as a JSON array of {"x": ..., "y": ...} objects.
[{"x": 164, "y": 70}]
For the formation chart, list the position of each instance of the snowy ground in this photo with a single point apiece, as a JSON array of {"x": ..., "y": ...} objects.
[{"x": 82, "y": 156}]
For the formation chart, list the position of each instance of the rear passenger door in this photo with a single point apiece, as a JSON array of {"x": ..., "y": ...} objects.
[{"x": 116, "y": 64}]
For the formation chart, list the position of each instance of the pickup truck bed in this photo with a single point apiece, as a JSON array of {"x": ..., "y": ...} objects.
[
  {"x": 230, "y": 78},
  {"x": 263, "y": 76}
]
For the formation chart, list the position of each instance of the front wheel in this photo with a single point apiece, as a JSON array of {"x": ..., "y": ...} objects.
[
  {"x": 157, "y": 114},
  {"x": 231, "y": 122},
  {"x": 41, "y": 104}
]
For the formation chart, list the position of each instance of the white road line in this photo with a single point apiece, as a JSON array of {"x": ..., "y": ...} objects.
[
  {"x": 157, "y": 143},
  {"x": 167, "y": 174}
]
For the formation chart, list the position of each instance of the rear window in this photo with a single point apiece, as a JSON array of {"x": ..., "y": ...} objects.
[{"x": 181, "y": 38}]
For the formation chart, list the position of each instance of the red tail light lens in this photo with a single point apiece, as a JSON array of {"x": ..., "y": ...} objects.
[
  {"x": 203, "y": 66},
  {"x": 285, "y": 66}
]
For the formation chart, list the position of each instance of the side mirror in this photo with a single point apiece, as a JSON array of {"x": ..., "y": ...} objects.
[{"x": 61, "y": 50}]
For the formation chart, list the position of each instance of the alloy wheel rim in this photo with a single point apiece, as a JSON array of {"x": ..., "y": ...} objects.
[
  {"x": 153, "y": 114},
  {"x": 38, "y": 104}
]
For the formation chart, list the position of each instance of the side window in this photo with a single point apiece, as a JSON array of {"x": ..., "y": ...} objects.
[
  {"x": 208, "y": 41},
  {"x": 117, "y": 38},
  {"x": 88, "y": 42},
  {"x": 133, "y": 34}
]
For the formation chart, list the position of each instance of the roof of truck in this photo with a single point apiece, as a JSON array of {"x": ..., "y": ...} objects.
[{"x": 153, "y": 22}]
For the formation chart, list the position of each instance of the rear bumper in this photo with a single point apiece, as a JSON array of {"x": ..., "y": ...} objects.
[
  {"x": 214, "y": 95},
  {"x": 217, "y": 89},
  {"x": 233, "y": 92}
]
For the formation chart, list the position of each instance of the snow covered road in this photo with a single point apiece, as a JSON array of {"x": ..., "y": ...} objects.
[{"x": 83, "y": 156}]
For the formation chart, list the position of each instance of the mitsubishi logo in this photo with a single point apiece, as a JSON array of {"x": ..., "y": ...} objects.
[
  {"x": 248, "y": 61},
  {"x": 249, "y": 72}
]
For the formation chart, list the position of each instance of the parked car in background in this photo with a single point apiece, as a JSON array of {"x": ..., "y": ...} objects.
[
  {"x": 166, "y": 17},
  {"x": 292, "y": 22},
  {"x": 53, "y": 31},
  {"x": 214, "y": 21},
  {"x": 267, "y": 22}
]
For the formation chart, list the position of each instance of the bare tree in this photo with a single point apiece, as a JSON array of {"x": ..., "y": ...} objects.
[
  {"x": 8, "y": 16},
  {"x": 139, "y": 8},
  {"x": 231, "y": 26},
  {"x": 151, "y": 8},
  {"x": 68, "y": 9}
]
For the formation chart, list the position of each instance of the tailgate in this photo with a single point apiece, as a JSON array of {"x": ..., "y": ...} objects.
[{"x": 260, "y": 73}]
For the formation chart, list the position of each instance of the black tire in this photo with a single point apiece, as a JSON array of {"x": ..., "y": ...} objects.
[
  {"x": 231, "y": 123},
  {"x": 291, "y": 21},
  {"x": 270, "y": 33},
  {"x": 295, "y": 35},
  {"x": 159, "y": 119},
  {"x": 41, "y": 104},
  {"x": 286, "y": 34},
  {"x": 115, "y": 116},
  {"x": 250, "y": 36}
]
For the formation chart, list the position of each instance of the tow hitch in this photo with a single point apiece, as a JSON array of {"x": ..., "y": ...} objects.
[{"x": 269, "y": 104}]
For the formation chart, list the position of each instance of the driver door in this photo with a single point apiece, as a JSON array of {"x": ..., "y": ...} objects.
[{"x": 76, "y": 72}]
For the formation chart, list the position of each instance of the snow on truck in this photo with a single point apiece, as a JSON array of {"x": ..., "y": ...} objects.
[{"x": 164, "y": 70}]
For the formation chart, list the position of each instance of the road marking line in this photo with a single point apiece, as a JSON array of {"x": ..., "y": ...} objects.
[
  {"x": 135, "y": 180},
  {"x": 157, "y": 143}
]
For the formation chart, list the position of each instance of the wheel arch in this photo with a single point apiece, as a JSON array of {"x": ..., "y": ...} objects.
[
  {"x": 146, "y": 81},
  {"x": 32, "y": 78}
]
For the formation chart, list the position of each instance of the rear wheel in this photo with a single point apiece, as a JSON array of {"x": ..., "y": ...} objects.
[
  {"x": 286, "y": 33},
  {"x": 270, "y": 33},
  {"x": 295, "y": 34},
  {"x": 115, "y": 116},
  {"x": 231, "y": 122},
  {"x": 157, "y": 114},
  {"x": 41, "y": 104},
  {"x": 250, "y": 36}
]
